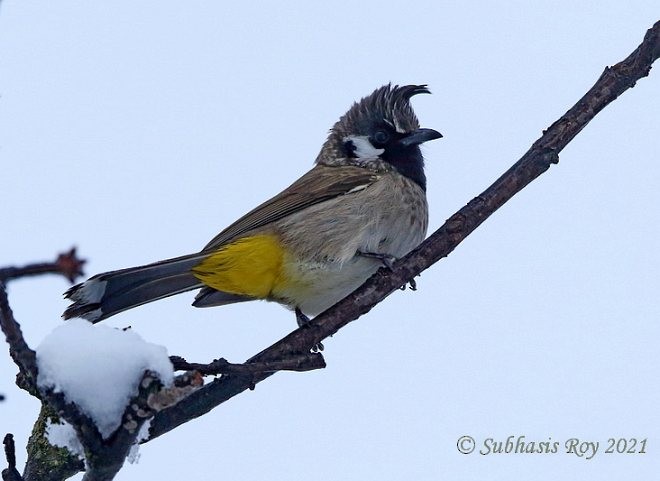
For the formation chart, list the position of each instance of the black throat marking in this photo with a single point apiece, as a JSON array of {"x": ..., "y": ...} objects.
[{"x": 408, "y": 162}]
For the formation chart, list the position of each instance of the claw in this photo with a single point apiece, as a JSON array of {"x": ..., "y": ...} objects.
[{"x": 386, "y": 259}]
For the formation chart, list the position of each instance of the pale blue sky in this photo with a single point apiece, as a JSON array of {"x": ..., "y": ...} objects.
[{"x": 138, "y": 130}]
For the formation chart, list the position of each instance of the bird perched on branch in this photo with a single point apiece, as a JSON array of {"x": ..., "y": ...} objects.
[{"x": 361, "y": 206}]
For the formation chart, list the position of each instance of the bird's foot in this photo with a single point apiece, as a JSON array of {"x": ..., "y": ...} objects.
[
  {"x": 303, "y": 321},
  {"x": 386, "y": 259}
]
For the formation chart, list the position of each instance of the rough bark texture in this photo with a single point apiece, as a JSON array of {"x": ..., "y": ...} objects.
[{"x": 45, "y": 461}]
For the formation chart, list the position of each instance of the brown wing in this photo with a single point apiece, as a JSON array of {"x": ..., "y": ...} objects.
[{"x": 318, "y": 185}]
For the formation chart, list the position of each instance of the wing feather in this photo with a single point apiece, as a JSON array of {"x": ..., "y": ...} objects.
[{"x": 320, "y": 184}]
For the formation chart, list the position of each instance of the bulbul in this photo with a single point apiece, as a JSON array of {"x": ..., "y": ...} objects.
[{"x": 362, "y": 205}]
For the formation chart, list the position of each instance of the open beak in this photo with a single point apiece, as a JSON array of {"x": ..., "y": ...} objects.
[{"x": 420, "y": 136}]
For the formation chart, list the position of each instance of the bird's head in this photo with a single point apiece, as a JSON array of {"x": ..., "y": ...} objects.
[{"x": 381, "y": 131}]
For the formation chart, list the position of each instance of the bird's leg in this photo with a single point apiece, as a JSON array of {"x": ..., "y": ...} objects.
[
  {"x": 303, "y": 321},
  {"x": 386, "y": 259},
  {"x": 301, "y": 318}
]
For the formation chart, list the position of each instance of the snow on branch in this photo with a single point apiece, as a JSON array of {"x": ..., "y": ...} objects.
[{"x": 105, "y": 383}]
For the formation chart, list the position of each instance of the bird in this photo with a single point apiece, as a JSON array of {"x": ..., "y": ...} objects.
[{"x": 360, "y": 207}]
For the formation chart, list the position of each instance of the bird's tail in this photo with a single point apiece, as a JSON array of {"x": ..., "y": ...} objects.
[{"x": 107, "y": 294}]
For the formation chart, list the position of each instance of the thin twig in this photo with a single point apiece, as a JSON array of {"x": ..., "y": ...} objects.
[
  {"x": 67, "y": 264},
  {"x": 10, "y": 473},
  {"x": 299, "y": 362}
]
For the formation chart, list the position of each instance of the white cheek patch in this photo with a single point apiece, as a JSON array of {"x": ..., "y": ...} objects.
[{"x": 363, "y": 148}]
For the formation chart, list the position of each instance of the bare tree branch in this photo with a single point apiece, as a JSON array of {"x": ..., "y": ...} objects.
[
  {"x": 67, "y": 264},
  {"x": 10, "y": 473},
  {"x": 299, "y": 362},
  {"x": 24, "y": 357},
  {"x": 542, "y": 154}
]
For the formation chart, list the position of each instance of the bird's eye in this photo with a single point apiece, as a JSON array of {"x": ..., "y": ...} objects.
[{"x": 380, "y": 138}]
